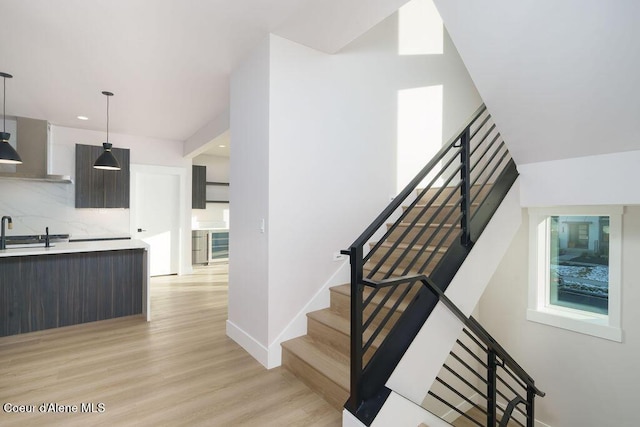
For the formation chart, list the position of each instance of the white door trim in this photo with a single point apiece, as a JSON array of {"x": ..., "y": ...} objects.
[{"x": 184, "y": 264}]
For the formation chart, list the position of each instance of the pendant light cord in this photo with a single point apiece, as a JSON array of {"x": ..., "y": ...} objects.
[
  {"x": 4, "y": 104},
  {"x": 107, "y": 118}
]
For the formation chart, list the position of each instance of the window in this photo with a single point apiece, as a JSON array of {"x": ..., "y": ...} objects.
[{"x": 574, "y": 269}]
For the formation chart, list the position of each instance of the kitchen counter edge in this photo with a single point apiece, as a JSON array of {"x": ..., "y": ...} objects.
[{"x": 77, "y": 247}]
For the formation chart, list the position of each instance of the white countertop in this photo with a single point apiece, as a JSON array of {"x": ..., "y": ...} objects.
[{"x": 75, "y": 247}]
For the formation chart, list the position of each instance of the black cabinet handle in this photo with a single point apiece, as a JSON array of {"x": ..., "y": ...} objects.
[{"x": 140, "y": 230}]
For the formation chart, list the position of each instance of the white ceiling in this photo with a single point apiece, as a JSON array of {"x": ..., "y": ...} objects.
[
  {"x": 167, "y": 61},
  {"x": 560, "y": 77}
]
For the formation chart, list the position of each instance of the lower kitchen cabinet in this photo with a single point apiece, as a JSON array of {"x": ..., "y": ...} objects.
[
  {"x": 50, "y": 291},
  {"x": 199, "y": 245}
]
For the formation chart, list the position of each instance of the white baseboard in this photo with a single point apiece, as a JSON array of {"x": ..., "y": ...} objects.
[
  {"x": 463, "y": 406},
  {"x": 298, "y": 325},
  {"x": 271, "y": 357},
  {"x": 246, "y": 341},
  {"x": 401, "y": 412}
]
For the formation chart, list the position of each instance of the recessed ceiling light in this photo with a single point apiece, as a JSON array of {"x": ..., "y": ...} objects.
[
  {"x": 83, "y": 118},
  {"x": 221, "y": 146}
]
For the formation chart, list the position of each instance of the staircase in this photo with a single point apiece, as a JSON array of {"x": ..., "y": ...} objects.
[
  {"x": 321, "y": 358},
  {"x": 400, "y": 270}
]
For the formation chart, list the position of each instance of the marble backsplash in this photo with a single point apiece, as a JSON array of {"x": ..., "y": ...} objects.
[{"x": 35, "y": 205}]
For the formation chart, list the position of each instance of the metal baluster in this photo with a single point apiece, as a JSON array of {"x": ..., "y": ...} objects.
[
  {"x": 356, "y": 257},
  {"x": 492, "y": 416},
  {"x": 465, "y": 189},
  {"x": 530, "y": 406}
]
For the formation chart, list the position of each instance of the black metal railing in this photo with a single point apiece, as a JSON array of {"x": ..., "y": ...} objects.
[
  {"x": 428, "y": 229},
  {"x": 481, "y": 374}
]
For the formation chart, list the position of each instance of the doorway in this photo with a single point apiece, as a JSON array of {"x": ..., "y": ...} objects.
[{"x": 157, "y": 215}]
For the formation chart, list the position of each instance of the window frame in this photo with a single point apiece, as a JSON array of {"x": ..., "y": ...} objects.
[{"x": 539, "y": 310}]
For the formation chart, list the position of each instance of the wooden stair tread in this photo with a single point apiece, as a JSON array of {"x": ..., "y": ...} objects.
[
  {"x": 437, "y": 205},
  {"x": 416, "y": 247},
  {"x": 384, "y": 270},
  {"x": 345, "y": 288},
  {"x": 332, "y": 319},
  {"x": 336, "y": 321},
  {"x": 445, "y": 225},
  {"x": 346, "y": 291},
  {"x": 321, "y": 358},
  {"x": 328, "y": 361}
]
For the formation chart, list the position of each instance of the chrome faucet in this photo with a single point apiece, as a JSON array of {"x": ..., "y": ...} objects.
[{"x": 3, "y": 238}]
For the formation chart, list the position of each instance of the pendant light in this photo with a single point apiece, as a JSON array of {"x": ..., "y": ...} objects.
[
  {"x": 7, "y": 153},
  {"x": 107, "y": 160}
]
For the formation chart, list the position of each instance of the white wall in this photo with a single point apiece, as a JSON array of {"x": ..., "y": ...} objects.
[
  {"x": 196, "y": 144},
  {"x": 573, "y": 368},
  {"x": 589, "y": 381},
  {"x": 249, "y": 196},
  {"x": 591, "y": 180},
  {"x": 327, "y": 163}
]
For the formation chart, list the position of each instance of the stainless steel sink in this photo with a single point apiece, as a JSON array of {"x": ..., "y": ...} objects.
[
  {"x": 34, "y": 241},
  {"x": 27, "y": 245}
]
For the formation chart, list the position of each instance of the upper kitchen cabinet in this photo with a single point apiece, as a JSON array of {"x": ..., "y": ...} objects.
[
  {"x": 199, "y": 187},
  {"x": 97, "y": 188}
]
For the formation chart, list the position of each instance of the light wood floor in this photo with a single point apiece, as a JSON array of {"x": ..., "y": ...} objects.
[{"x": 178, "y": 370}]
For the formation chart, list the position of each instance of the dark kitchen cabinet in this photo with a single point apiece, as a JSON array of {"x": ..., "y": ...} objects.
[
  {"x": 199, "y": 187},
  {"x": 54, "y": 290},
  {"x": 97, "y": 188}
]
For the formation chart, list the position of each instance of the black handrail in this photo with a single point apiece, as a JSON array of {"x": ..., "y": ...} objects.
[
  {"x": 494, "y": 351},
  {"x": 472, "y": 324},
  {"x": 406, "y": 192},
  {"x": 432, "y": 236}
]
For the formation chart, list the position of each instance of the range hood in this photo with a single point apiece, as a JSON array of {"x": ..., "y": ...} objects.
[{"x": 32, "y": 143}]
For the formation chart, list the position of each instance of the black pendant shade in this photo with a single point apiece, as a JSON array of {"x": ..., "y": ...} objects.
[
  {"x": 8, "y": 154},
  {"x": 107, "y": 160}
]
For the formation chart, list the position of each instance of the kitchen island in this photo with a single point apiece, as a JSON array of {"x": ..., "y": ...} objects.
[{"x": 72, "y": 283}]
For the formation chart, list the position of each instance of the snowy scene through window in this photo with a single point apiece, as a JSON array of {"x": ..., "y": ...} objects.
[{"x": 579, "y": 262}]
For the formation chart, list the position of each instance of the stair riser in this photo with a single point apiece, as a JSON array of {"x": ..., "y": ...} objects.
[
  {"x": 328, "y": 335},
  {"x": 422, "y": 259},
  {"x": 332, "y": 392},
  {"x": 321, "y": 359},
  {"x": 475, "y": 190},
  {"x": 432, "y": 215},
  {"x": 336, "y": 339},
  {"x": 341, "y": 304},
  {"x": 426, "y": 236},
  {"x": 442, "y": 198}
]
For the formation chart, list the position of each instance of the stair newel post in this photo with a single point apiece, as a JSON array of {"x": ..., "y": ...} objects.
[
  {"x": 465, "y": 188},
  {"x": 357, "y": 264},
  {"x": 492, "y": 376},
  {"x": 531, "y": 395}
]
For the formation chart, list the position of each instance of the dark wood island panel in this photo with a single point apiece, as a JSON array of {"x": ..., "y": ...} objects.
[{"x": 52, "y": 290}]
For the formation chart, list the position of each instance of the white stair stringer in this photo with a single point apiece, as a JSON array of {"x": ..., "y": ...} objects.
[
  {"x": 397, "y": 411},
  {"x": 420, "y": 365}
]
